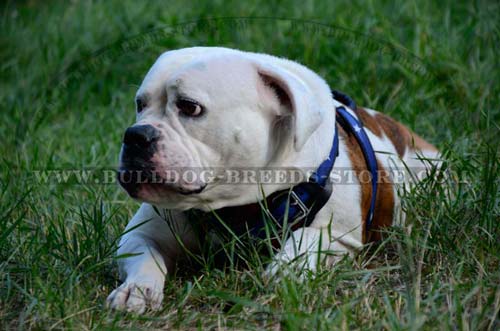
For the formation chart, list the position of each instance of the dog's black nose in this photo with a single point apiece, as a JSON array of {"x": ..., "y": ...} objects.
[{"x": 141, "y": 135}]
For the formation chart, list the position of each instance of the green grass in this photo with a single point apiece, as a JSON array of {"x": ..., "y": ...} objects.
[{"x": 66, "y": 95}]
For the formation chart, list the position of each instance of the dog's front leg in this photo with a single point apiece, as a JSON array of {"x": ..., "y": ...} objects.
[
  {"x": 148, "y": 249},
  {"x": 305, "y": 249}
]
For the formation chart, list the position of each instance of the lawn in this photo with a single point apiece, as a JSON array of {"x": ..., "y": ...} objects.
[{"x": 69, "y": 72}]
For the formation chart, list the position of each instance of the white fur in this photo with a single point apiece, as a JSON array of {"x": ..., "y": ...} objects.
[{"x": 228, "y": 83}]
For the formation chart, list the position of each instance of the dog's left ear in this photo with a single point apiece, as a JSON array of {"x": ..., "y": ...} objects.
[{"x": 296, "y": 97}]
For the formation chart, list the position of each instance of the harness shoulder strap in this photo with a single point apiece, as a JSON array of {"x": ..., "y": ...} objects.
[{"x": 352, "y": 125}]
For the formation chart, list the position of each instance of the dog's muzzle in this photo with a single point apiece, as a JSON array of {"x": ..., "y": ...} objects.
[{"x": 140, "y": 142}]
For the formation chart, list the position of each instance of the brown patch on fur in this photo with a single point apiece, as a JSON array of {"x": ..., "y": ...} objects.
[
  {"x": 384, "y": 205},
  {"x": 401, "y": 137},
  {"x": 369, "y": 121},
  {"x": 396, "y": 132}
]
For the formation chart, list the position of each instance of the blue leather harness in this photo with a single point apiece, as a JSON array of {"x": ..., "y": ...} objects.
[{"x": 297, "y": 207}]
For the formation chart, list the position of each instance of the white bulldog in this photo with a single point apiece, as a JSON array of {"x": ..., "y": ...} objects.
[{"x": 219, "y": 108}]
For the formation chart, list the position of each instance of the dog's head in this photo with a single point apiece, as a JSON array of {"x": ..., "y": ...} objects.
[{"x": 212, "y": 109}]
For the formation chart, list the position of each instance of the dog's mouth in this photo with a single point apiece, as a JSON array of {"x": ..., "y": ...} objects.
[
  {"x": 146, "y": 180},
  {"x": 145, "y": 183}
]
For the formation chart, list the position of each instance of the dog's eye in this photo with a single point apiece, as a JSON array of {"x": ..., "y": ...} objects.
[
  {"x": 189, "y": 108},
  {"x": 140, "y": 104}
]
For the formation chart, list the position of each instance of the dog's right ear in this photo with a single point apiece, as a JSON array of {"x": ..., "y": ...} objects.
[{"x": 295, "y": 97}]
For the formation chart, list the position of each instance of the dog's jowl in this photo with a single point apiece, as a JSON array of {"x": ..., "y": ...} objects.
[{"x": 230, "y": 131}]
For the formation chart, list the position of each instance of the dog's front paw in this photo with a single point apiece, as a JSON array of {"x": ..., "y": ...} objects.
[{"x": 136, "y": 297}]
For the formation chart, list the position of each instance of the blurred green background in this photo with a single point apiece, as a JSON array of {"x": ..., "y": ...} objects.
[{"x": 69, "y": 75}]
